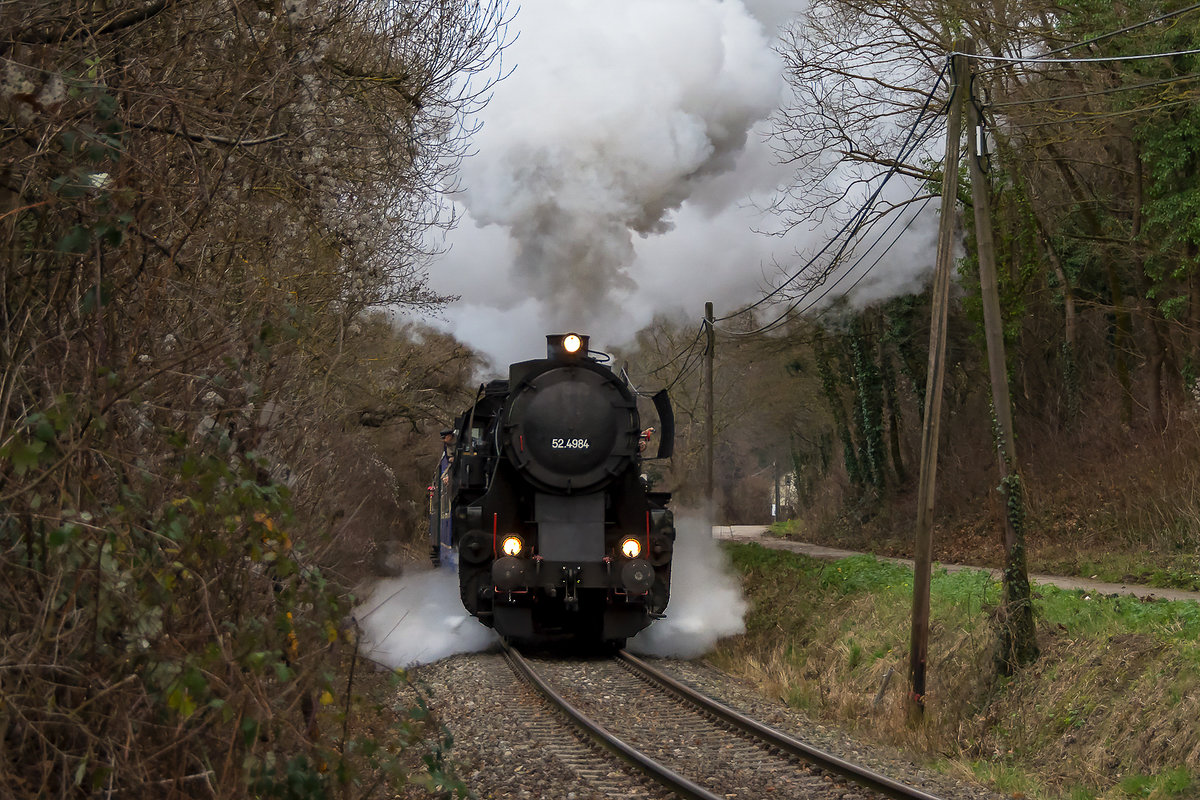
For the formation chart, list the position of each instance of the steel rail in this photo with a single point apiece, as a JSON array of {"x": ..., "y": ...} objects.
[
  {"x": 826, "y": 761},
  {"x": 668, "y": 778}
]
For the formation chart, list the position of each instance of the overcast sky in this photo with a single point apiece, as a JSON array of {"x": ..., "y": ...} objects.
[{"x": 620, "y": 172}]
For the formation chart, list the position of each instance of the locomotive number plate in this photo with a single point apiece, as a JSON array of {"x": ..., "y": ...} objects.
[{"x": 569, "y": 444}]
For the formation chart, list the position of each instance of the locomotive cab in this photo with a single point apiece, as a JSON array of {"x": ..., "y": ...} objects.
[{"x": 554, "y": 534}]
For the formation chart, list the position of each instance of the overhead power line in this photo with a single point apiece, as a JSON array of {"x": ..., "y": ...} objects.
[
  {"x": 878, "y": 258},
  {"x": 779, "y": 320},
  {"x": 689, "y": 356},
  {"x": 855, "y": 222},
  {"x": 1088, "y": 60},
  {"x": 687, "y": 369},
  {"x": 1128, "y": 29},
  {"x": 1098, "y": 92},
  {"x": 1045, "y": 58},
  {"x": 1081, "y": 116}
]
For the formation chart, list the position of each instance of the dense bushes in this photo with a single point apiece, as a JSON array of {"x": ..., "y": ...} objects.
[{"x": 199, "y": 202}]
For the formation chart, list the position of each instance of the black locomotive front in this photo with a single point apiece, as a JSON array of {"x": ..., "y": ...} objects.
[{"x": 553, "y": 530}]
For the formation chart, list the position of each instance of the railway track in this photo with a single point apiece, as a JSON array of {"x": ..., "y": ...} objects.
[{"x": 691, "y": 745}]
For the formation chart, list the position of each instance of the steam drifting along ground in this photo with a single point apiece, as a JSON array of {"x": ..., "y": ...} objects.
[
  {"x": 419, "y": 618},
  {"x": 706, "y": 597}
]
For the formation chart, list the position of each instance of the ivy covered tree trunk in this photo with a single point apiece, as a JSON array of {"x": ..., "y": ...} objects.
[
  {"x": 1194, "y": 330},
  {"x": 888, "y": 376},
  {"x": 903, "y": 322},
  {"x": 1017, "y": 635},
  {"x": 841, "y": 421},
  {"x": 868, "y": 406}
]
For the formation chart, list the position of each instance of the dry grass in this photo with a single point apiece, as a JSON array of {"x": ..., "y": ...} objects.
[{"x": 1108, "y": 711}]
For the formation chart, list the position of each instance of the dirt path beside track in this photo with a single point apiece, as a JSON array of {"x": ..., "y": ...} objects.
[{"x": 758, "y": 534}]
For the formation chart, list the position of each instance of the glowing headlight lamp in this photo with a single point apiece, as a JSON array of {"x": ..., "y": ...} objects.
[
  {"x": 511, "y": 546},
  {"x": 572, "y": 343},
  {"x": 631, "y": 548}
]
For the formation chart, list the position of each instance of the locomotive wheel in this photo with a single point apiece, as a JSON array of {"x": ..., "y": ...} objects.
[{"x": 475, "y": 590}]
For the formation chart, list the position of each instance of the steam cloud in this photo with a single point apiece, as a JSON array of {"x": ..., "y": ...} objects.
[
  {"x": 706, "y": 598},
  {"x": 616, "y": 113},
  {"x": 622, "y": 172},
  {"x": 609, "y": 122},
  {"x": 419, "y": 619}
]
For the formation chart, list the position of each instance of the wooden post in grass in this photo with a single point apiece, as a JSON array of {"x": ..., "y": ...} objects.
[{"x": 934, "y": 381}]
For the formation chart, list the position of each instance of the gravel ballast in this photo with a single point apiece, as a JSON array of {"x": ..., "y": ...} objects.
[{"x": 507, "y": 744}]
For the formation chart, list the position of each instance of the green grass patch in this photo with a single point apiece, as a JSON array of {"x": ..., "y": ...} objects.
[
  {"x": 784, "y": 528},
  {"x": 1160, "y": 570},
  {"x": 863, "y": 573},
  {"x": 1171, "y": 783},
  {"x": 1083, "y": 612},
  {"x": 1010, "y": 780}
]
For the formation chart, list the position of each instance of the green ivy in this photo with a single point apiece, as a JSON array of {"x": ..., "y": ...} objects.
[{"x": 868, "y": 406}]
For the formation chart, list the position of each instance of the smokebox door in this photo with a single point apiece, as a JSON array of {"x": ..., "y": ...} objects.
[{"x": 570, "y": 527}]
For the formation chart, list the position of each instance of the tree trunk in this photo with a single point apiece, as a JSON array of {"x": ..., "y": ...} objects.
[
  {"x": 888, "y": 376},
  {"x": 1068, "y": 369},
  {"x": 1122, "y": 338},
  {"x": 1158, "y": 420},
  {"x": 1018, "y": 634},
  {"x": 1068, "y": 364},
  {"x": 1193, "y": 353},
  {"x": 868, "y": 405},
  {"x": 838, "y": 409},
  {"x": 1122, "y": 322}
]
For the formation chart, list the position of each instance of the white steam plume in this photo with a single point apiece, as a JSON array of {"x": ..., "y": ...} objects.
[
  {"x": 615, "y": 113},
  {"x": 706, "y": 598},
  {"x": 626, "y": 117},
  {"x": 419, "y": 619}
]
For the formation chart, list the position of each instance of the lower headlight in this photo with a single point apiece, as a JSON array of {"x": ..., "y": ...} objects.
[
  {"x": 631, "y": 548},
  {"x": 511, "y": 574},
  {"x": 511, "y": 546},
  {"x": 637, "y": 576}
]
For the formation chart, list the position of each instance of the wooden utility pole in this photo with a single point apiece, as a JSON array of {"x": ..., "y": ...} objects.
[
  {"x": 709, "y": 349},
  {"x": 1018, "y": 635},
  {"x": 935, "y": 379}
]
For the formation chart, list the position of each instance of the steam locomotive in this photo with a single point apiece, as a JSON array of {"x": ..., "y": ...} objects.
[{"x": 541, "y": 506}]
